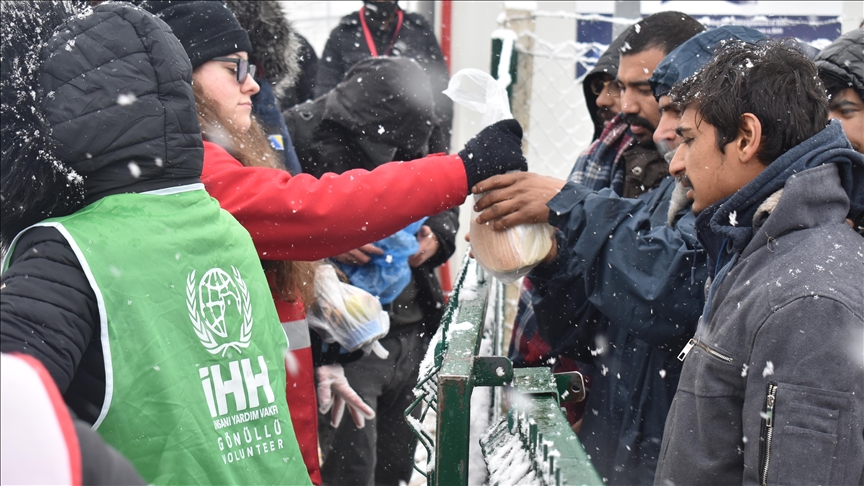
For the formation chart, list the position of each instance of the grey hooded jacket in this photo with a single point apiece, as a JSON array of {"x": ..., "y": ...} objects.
[{"x": 772, "y": 388}]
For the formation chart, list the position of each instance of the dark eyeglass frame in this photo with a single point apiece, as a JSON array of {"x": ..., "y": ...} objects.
[
  {"x": 599, "y": 84},
  {"x": 244, "y": 67}
]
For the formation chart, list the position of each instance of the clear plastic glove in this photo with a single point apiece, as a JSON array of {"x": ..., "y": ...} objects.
[{"x": 334, "y": 393}]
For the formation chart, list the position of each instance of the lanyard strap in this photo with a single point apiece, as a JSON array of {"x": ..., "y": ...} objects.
[{"x": 370, "y": 42}]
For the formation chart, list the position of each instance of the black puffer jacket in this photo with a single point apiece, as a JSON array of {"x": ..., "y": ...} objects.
[
  {"x": 347, "y": 46},
  {"x": 114, "y": 91}
]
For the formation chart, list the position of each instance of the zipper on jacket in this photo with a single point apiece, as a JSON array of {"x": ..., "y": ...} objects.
[
  {"x": 712, "y": 352},
  {"x": 767, "y": 432}
]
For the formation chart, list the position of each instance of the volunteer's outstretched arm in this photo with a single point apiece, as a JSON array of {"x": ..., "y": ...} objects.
[{"x": 304, "y": 218}]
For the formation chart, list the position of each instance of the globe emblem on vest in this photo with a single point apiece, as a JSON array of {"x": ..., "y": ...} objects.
[
  {"x": 220, "y": 310},
  {"x": 218, "y": 294}
]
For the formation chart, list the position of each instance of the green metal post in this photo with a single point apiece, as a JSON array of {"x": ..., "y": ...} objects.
[{"x": 455, "y": 382}]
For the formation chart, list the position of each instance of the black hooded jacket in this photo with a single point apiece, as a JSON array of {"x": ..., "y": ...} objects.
[
  {"x": 844, "y": 58},
  {"x": 346, "y": 46},
  {"x": 381, "y": 111},
  {"x": 606, "y": 64},
  {"x": 113, "y": 91}
]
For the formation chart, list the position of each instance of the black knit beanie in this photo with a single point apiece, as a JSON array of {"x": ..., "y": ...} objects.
[{"x": 206, "y": 29}]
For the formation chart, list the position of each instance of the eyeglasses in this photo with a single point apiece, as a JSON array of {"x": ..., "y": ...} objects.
[
  {"x": 243, "y": 67},
  {"x": 598, "y": 85}
]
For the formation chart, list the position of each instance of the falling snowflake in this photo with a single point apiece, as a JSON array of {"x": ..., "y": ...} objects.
[
  {"x": 733, "y": 218},
  {"x": 744, "y": 371},
  {"x": 662, "y": 373},
  {"x": 134, "y": 170},
  {"x": 381, "y": 129},
  {"x": 769, "y": 369},
  {"x": 126, "y": 99}
]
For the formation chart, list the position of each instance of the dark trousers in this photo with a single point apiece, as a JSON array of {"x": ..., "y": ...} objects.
[{"x": 381, "y": 452}]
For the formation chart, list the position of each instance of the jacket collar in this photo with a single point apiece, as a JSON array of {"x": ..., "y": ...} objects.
[
  {"x": 731, "y": 220},
  {"x": 829, "y": 146}
]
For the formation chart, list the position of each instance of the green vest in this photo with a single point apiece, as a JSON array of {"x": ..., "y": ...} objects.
[{"x": 193, "y": 348}]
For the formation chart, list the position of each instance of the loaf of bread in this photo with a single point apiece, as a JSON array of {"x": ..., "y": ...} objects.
[{"x": 512, "y": 253}]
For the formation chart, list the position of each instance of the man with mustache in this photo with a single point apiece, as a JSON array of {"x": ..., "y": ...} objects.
[
  {"x": 626, "y": 286},
  {"x": 772, "y": 382}
]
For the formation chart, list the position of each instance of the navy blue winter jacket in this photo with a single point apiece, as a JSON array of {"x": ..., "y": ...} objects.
[{"x": 646, "y": 280}]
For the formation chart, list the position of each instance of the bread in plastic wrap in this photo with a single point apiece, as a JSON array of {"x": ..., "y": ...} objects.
[{"x": 510, "y": 254}]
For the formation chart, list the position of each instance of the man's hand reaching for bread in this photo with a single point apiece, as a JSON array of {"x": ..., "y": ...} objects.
[{"x": 515, "y": 198}]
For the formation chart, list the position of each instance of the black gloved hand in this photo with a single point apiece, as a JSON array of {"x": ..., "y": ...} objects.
[{"x": 495, "y": 150}]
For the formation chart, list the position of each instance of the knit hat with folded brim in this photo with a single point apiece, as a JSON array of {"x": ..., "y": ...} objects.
[{"x": 206, "y": 29}]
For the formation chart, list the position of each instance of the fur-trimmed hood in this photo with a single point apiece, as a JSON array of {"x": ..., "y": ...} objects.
[{"x": 274, "y": 43}]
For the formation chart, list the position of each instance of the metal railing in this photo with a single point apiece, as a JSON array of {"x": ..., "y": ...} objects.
[{"x": 534, "y": 430}]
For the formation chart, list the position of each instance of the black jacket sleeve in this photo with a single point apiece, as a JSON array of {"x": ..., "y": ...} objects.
[
  {"x": 331, "y": 65},
  {"x": 49, "y": 309}
]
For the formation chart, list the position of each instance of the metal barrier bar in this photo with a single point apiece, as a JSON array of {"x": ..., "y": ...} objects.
[{"x": 451, "y": 371}]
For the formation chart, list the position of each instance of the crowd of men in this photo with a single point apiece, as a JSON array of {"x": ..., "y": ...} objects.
[{"x": 698, "y": 266}]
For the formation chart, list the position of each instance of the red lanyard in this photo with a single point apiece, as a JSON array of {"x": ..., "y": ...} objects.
[{"x": 371, "y": 42}]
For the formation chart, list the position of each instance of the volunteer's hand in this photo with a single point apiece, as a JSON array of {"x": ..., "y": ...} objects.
[
  {"x": 334, "y": 393},
  {"x": 495, "y": 150},
  {"x": 428, "y": 246},
  {"x": 517, "y": 198},
  {"x": 360, "y": 256}
]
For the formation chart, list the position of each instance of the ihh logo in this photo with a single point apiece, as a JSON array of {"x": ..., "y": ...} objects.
[{"x": 243, "y": 385}]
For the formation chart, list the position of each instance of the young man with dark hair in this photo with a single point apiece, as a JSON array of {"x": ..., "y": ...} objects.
[
  {"x": 772, "y": 387},
  {"x": 841, "y": 67}
]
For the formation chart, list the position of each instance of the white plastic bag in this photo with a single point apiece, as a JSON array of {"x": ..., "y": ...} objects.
[
  {"x": 510, "y": 254},
  {"x": 491, "y": 101},
  {"x": 347, "y": 314}
]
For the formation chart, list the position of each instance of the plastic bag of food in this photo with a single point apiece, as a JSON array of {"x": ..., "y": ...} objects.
[
  {"x": 346, "y": 314},
  {"x": 510, "y": 254}
]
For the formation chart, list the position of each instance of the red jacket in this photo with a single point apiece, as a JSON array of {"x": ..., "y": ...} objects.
[{"x": 305, "y": 219}]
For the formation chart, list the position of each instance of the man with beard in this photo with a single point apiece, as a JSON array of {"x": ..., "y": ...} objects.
[
  {"x": 643, "y": 49},
  {"x": 772, "y": 382},
  {"x": 626, "y": 286},
  {"x": 593, "y": 168}
]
